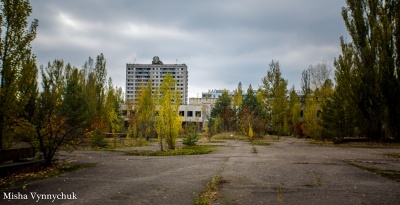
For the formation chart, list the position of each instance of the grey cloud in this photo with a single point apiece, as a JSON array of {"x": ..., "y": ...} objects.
[{"x": 222, "y": 42}]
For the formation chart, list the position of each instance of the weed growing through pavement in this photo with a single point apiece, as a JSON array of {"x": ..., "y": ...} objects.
[
  {"x": 390, "y": 174},
  {"x": 254, "y": 150},
  {"x": 397, "y": 156},
  {"x": 305, "y": 162},
  {"x": 213, "y": 186},
  {"x": 280, "y": 197},
  {"x": 259, "y": 142},
  {"x": 317, "y": 183}
]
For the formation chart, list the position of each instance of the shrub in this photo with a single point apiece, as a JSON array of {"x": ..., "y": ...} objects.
[
  {"x": 190, "y": 136},
  {"x": 97, "y": 139}
]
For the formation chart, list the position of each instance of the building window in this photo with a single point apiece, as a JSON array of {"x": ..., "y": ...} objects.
[
  {"x": 182, "y": 113},
  {"x": 198, "y": 114},
  {"x": 190, "y": 113}
]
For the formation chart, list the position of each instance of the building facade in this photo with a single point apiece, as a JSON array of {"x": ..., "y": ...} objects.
[{"x": 138, "y": 75}]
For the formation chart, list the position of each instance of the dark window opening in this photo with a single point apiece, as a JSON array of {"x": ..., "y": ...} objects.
[{"x": 198, "y": 114}]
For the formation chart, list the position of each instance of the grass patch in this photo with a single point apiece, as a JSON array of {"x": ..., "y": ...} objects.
[
  {"x": 317, "y": 183},
  {"x": 274, "y": 137},
  {"x": 120, "y": 143},
  {"x": 54, "y": 171},
  {"x": 260, "y": 142},
  {"x": 208, "y": 140},
  {"x": 255, "y": 151},
  {"x": 186, "y": 150},
  {"x": 127, "y": 142},
  {"x": 229, "y": 136},
  {"x": 210, "y": 193},
  {"x": 369, "y": 145},
  {"x": 318, "y": 142},
  {"x": 305, "y": 162},
  {"x": 280, "y": 197},
  {"x": 397, "y": 156},
  {"x": 390, "y": 174}
]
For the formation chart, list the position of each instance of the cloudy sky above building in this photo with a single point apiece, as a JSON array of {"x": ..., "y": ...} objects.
[{"x": 222, "y": 42}]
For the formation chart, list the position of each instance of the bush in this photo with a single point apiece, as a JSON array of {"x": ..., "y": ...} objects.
[
  {"x": 97, "y": 139},
  {"x": 190, "y": 136}
]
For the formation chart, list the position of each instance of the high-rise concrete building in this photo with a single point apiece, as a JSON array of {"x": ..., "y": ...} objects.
[{"x": 138, "y": 75}]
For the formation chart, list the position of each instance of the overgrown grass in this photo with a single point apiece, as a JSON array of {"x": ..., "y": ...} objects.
[
  {"x": 229, "y": 136},
  {"x": 397, "y": 156},
  {"x": 260, "y": 142},
  {"x": 121, "y": 143},
  {"x": 369, "y": 145},
  {"x": 186, "y": 150},
  {"x": 255, "y": 151},
  {"x": 390, "y": 174},
  {"x": 210, "y": 193},
  {"x": 208, "y": 140},
  {"x": 280, "y": 197},
  {"x": 304, "y": 162},
  {"x": 317, "y": 183},
  {"x": 54, "y": 171}
]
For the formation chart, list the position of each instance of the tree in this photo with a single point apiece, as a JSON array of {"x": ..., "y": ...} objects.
[
  {"x": 168, "y": 123},
  {"x": 305, "y": 82},
  {"x": 238, "y": 96},
  {"x": 274, "y": 89},
  {"x": 318, "y": 75},
  {"x": 251, "y": 114},
  {"x": 320, "y": 91},
  {"x": 224, "y": 110},
  {"x": 190, "y": 135},
  {"x": 294, "y": 111},
  {"x": 17, "y": 64},
  {"x": 144, "y": 111},
  {"x": 311, "y": 124},
  {"x": 94, "y": 74},
  {"x": 100, "y": 76},
  {"x": 111, "y": 110},
  {"x": 372, "y": 57},
  {"x": 61, "y": 111},
  {"x": 340, "y": 114},
  {"x": 251, "y": 133}
]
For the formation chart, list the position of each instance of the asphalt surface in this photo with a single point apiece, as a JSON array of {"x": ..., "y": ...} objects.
[{"x": 292, "y": 170}]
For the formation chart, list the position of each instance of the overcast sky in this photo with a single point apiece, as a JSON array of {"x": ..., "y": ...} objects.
[{"x": 223, "y": 42}]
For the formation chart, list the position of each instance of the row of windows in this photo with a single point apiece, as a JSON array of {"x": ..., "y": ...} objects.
[
  {"x": 147, "y": 76},
  {"x": 140, "y": 88},
  {"x": 154, "y": 80},
  {"x": 190, "y": 113},
  {"x": 156, "y": 73},
  {"x": 141, "y": 69},
  {"x": 138, "y": 80}
]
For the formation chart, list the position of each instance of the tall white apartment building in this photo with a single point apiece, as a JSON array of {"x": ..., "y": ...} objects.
[{"x": 138, "y": 75}]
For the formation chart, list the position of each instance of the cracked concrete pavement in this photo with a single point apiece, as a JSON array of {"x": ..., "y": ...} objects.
[{"x": 305, "y": 174}]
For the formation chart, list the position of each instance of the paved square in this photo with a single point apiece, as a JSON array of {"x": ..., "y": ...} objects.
[{"x": 305, "y": 173}]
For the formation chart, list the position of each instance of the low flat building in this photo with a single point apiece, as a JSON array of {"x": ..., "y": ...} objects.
[{"x": 190, "y": 113}]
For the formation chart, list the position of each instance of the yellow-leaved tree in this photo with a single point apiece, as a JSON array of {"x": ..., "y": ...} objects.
[
  {"x": 144, "y": 112},
  {"x": 311, "y": 126},
  {"x": 251, "y": 133},
  {"x": 168, "y": 123}
]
